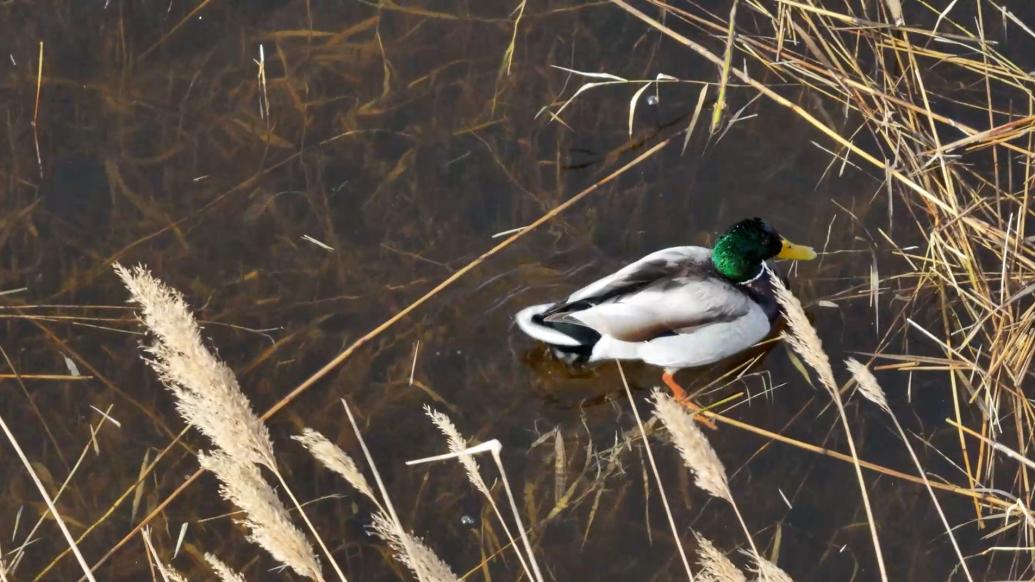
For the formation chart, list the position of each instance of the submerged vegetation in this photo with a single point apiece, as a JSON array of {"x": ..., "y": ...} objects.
[{"x": 342, "y": 204}]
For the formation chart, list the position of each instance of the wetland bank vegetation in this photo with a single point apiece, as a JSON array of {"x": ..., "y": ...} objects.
[{"x": 338, "y": 206}]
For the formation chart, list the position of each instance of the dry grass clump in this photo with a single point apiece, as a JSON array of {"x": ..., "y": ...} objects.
[
  {"x": 209, "y": 397},
  {"x": 224, "y": 572},
  {"x": 932, "y": 103},
  {"x": 407, "y": 548},
  {"x": 715, "y": 566},
  {"x": 267, "y": 520},
  {"x": 698, "y": 454}
]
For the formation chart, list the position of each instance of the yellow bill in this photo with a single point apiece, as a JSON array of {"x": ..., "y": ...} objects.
[{"x": 795, "y": 252}]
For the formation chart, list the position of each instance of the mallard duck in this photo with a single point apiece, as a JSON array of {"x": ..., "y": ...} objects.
[{"x": 676, "y": 308}]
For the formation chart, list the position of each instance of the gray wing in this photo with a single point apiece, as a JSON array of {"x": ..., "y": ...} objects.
[
  {"x": 674, "y": 306},
  {"x": 653, "y": 268},
  {"x": 667, "y": 292}
]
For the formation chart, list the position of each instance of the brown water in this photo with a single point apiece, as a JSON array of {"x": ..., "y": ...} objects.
[{"x": 393, "y": 138}]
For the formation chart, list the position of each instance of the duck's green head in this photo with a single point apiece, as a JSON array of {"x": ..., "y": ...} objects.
[{"x": 739, "y": 253}]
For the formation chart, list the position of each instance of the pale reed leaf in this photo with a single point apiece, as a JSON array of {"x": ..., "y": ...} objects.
[
  {"x": 698, "y": 454},
  {"x": 715, "y": 566},
  {"x": 207, "y": 393},
  {"x": 412, "y": 552},
  {"x": 167, "y": 572},
  {"x": 225, "y": 573},
  {"x": 331, "y": 456},
  {"x": 266, "y": 518}
]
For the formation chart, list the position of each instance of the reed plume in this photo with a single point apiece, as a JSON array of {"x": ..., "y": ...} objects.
[
  {"x": 224, "y": 572},
  {"x": 408, "y": 549},
  {"x": 805, "y": 341},
  {"x": 267, "y": 520},
  {"x": 457, "y": 443},
  {"x": 206, "y": 390},
  {"x": 715, "y": 566},
  {"x": 871, "y": 390},
  {"x": 411, "y": 551},
  {"x": 332, "y": 457},
  {"x": 767, "y": 570},
  {"x": 698, "y": 454}
]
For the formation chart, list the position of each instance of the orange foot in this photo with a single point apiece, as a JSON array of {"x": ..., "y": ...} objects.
[{"x": 681, "y": 397}]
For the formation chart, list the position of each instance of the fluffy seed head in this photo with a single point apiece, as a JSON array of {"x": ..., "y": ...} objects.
[
  {"x": 206, "y": 391},
  {"x": 698, "y": 454},
  {"x": 768, "y": 571},
  {"x": 868, "y": 385},
  {"x": 224, "y": 572},
  {"x": 411, "y": 551},
  {"x": 331, "y": 456},
  {"x": 803, "y": 337},
  {"x": 457, "y": 443},
  {"x": 715, "y": 566},
  {"x": 266, "y": 518}
]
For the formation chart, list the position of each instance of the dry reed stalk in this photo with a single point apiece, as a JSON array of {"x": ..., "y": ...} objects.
[
  {"x": 871, "y": 390},
  {"x": 167, "y": 572},
  {"x": 3, "y": 568},
  {"x": 493, "y": 446},
  {"x": 715, "y": 566},
  {"x": 724, "y": 72},
  {"x": 407, "y": 548},
  {"x": 804, "y": 340},
  {"x": 698, "y": 455},
  {"x": 265, "y": 517},
  {"x": 206, "y": 390},
  {"x": 46, "y": 499},
  {"x": 420, "y": 559},
  {"x": 458, "y": 443},
  {"x": 657, "y": 475},
  {"x": 224, "y": 572},
  {"x": 19, "y": 552}
]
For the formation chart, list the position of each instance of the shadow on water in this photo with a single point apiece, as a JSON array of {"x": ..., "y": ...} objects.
[{"x": 393, "y": 138}]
